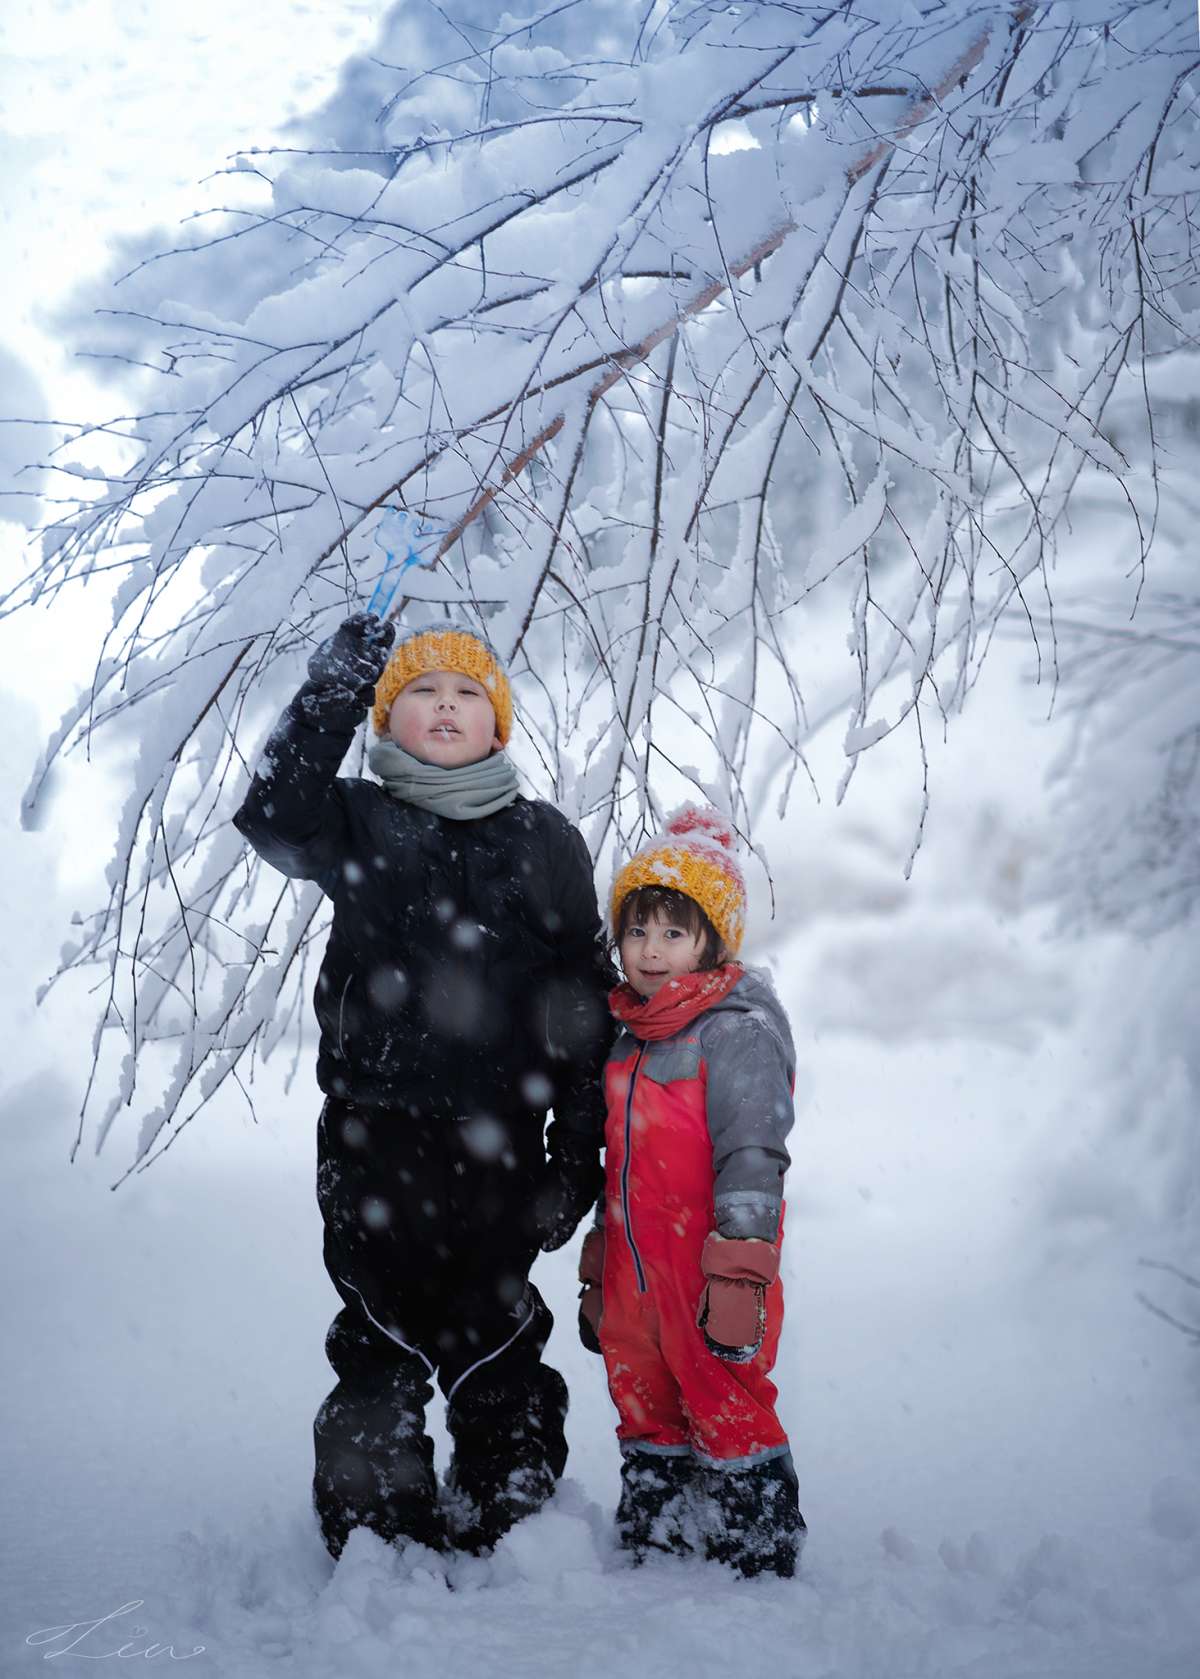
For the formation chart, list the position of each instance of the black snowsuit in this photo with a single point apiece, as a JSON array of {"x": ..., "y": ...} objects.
[{"x": 462, "y": 994}]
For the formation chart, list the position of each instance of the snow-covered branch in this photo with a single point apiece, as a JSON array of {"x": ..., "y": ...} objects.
[{"x": 659, "y": 335}]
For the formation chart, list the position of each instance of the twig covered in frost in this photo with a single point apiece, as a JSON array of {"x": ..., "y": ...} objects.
[{"x": 1190, "y": 1330}]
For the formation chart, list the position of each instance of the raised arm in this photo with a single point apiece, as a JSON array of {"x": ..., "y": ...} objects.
[{"x": 293, "y": 814}]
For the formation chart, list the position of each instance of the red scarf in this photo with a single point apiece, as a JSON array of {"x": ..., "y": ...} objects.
[{"x": 675, "y": 1004}]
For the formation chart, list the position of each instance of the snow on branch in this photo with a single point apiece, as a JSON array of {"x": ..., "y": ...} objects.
[{"x": 664, "y": 319}]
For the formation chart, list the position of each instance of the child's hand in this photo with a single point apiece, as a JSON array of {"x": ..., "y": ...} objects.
[
  {"x": 353, "y": 657},
  {"x": 567, "y": 1193},
  {"x": 591, "y": 1295},
  {"x": 733, "y": 1307}
]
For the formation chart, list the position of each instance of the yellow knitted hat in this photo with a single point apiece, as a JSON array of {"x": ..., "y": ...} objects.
[
  {"x": 693, "y": 855},
  {"x": 453, "y": 648}
]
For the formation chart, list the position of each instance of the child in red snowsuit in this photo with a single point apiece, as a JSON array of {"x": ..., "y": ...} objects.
[{"x": 699, "y": 1099}]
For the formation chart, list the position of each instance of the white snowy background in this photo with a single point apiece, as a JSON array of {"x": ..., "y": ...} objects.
[{"x": 996, "y": 1441}]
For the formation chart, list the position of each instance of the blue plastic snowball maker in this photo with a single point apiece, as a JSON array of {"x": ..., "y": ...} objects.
[{"x": 398, "y": 532}]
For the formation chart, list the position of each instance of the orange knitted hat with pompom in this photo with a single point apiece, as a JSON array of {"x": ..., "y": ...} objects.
[{"x": 694, "y": 855}]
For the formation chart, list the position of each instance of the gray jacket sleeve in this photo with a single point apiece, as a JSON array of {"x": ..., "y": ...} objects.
[{"x": 750, "y": 1074}]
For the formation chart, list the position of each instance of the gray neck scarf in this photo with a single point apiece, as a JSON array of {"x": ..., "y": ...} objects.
[{"x": 471, "y": 791}]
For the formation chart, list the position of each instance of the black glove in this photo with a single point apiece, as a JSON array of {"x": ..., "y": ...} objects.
[
  {"x": 353, "y": 657},
  {"x": 570, "y": 1185}
]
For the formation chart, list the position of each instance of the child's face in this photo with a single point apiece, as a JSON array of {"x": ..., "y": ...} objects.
[
  {"x": 444, "y": 718},
  {"x": 658, "y": 949}
]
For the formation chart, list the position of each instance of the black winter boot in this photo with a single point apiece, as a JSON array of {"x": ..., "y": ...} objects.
[
  {"x": 655, "y": 1507},
  {"x": 752, "y": 1519}
]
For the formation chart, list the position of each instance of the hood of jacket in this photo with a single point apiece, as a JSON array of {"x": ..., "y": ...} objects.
[{"x": 754, "y": 994}]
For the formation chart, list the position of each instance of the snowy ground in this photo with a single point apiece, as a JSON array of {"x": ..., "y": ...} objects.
[{"x": 995, "y": 1441}]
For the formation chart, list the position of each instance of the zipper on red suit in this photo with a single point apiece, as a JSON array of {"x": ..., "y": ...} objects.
[{"x": 637, "y": 1258}]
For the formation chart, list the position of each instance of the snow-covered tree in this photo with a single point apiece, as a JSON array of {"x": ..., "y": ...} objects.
[
  {"x": 638, "y": 324},
  {"x": 1128, "y": 640}
]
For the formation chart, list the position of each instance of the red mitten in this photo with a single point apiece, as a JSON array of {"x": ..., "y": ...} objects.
[
  {"x": 733, "y": 1307},
  {"x": 591, "y": 1295}
]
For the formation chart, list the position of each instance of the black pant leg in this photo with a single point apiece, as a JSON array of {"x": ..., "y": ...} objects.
[
  {"x": 373, "y": 1458},
  {"x": 506, "y": 1419},
  {"x": 505, "y": 1407}
]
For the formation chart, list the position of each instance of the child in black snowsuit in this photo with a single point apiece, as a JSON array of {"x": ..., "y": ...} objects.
[{"x": 462, "y": 994}]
